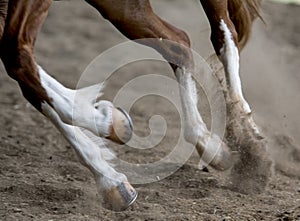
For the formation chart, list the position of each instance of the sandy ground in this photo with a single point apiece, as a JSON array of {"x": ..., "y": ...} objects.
[{"x": 41, "y": 178}]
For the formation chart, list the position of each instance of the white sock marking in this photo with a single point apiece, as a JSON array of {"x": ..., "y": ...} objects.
[
  {"x": 90, "y": 154},
  {"x": 195, "y": 130},
  {"x": 229, "y": 55},
  {"x": 78, "y": 107}
]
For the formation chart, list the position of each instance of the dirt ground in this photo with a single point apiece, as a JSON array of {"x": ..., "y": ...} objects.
[{"x": 42, "y": 179}]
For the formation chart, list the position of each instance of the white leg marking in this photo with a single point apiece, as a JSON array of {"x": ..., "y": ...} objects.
[
  {"x": 210, "y": 146},
  {"x": 90, "y": 154},
  {"x": 229, "y": 56},
  {"x": 78, "y": 107},
  {"x": 194, "y": 125}
]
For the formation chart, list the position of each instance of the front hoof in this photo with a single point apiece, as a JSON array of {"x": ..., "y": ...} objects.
[
  {"x": 120, "y": 197},
  {"x": 121, "y": 128}
]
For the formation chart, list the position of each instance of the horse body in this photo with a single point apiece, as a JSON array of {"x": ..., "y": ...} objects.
[{"x": 230, "y": 23}]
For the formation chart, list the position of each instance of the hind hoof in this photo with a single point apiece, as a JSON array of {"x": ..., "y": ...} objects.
[
  {"x": 216, "y": 153},
  {"x": 225, "y": 159},
  {"x": 121, "y": 129},
  {"x": 119, "y": 198}
]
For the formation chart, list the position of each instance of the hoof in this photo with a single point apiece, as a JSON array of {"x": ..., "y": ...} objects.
[
  {"x": 220, "y": 157},
  {"x": 121, "y": 130},
  {"x": 226, "y": 160},
  {"x": 120, "y": 197}
]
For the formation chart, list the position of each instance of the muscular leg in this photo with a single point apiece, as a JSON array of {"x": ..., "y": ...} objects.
[
  {"x": 22, "y": 25},
  {"x": 24, "y": 19},
  {"x": 136, "y": 20},
  {"x": 251, "y": 172},
  {"x": 225, "y": 41}
]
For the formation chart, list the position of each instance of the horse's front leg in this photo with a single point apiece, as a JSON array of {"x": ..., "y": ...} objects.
[
  {"x": 23, "y": 22},
  {"x": 74, "y": 107},
  {"x": 84, "y": 108},
  {"x": 137, "y": 21},
  {"x": 114, "y": 189}
]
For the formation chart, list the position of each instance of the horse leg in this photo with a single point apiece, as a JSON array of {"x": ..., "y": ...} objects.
[
  {"x": 251, "y": 172},
  {"x": 136, "y": 20},
  {"x": 225, "y": 41},
  {"x": 24, "y": 19},
  {"x": 22, "y": 25},
  {"x": 114, "y": 189}
]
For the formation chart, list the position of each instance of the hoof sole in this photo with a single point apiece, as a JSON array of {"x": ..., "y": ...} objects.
[
  {"x": 120, "y": 197},
  {"x": 121, "y": 131}
]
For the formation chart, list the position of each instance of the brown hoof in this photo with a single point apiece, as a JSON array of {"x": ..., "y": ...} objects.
[
  {"x": 121, "y": 130},
  {"x": 120, "y": 197}
]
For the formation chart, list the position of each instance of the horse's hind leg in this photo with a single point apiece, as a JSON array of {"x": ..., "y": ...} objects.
[
  {"x": 24, "y": 19},
  {"x": 225, "y": 41},
  {"x": 252, "y": 170},
  {"x": 136, "y": 20}
]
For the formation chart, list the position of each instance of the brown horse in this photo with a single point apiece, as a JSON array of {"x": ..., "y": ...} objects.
[{"x": 230, "y": 21}]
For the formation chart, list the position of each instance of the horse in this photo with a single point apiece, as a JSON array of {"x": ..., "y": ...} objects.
[{"x": 230, "y": 22}]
